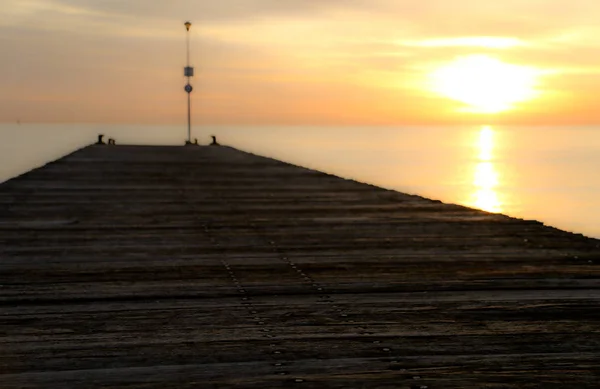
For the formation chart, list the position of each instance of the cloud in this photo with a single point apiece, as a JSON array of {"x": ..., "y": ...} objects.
[
  {"x": 209, "y": 11},
  {"x": 105, "y": 54},
  {"x": 489, "y": 42}
]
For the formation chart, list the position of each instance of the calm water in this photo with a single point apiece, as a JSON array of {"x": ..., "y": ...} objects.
[{"x": 545, "y": 173}]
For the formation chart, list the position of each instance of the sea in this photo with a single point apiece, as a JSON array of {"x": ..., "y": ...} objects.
[{"x": 550, "y": 174}]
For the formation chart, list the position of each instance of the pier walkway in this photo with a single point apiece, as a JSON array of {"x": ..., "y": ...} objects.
[{"x": 208, "y": 267}]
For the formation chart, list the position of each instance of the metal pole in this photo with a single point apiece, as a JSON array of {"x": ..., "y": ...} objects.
[
  {"x": 188, "y": 72},
  {"x": 189, "y": 121},
  {"x": 188, "y": 81},
  {"x": 188, "y": 48}
]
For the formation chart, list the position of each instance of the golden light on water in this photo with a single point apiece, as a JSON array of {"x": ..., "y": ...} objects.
[
  {"x": 486, "y": 177},
  {"x": 486, "y": 143},
  {"x": 485, "y": 84}
]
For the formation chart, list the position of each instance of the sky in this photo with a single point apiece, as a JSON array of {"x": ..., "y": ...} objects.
[{"x": 301, "y": 62}]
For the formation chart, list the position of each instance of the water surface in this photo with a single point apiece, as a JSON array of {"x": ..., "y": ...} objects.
[{"x": 544, "y": 173}]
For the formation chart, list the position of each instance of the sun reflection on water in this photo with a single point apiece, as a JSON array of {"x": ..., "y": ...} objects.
[
  {"x": 486, "y": 177},
  {"x": 486, "y": 143}
]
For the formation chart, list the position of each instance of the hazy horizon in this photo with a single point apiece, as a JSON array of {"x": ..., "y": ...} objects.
[{"x": 511, "y": 170}]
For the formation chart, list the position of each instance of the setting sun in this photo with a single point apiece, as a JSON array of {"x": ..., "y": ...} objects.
[{"x": 485, "y": 84}]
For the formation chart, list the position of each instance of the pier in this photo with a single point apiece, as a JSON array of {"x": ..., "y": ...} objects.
[{"x": 209, "y": 267}]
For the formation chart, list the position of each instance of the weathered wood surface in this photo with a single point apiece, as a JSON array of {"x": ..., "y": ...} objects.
[{"x": 189, "y": 267}]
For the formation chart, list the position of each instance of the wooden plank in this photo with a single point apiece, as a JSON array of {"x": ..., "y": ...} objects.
[{"x": 140, "y": 267}]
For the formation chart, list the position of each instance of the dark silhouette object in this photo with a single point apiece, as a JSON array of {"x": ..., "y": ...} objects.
[
  {"x": 100, "y": 141},
  {"x": 196, "y": 141},
  {"x": 214, "y": 141},
  {"x": 111, "y": 142}
]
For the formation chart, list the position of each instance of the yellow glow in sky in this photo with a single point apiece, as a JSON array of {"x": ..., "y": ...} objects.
[
  {"x": 296, "y": 62},
  {"x": 470, "y": 41},
  {"x": 485, "y": 84}
]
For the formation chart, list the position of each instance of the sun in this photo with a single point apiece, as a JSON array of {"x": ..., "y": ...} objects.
[{"x": 485, "y": 84}]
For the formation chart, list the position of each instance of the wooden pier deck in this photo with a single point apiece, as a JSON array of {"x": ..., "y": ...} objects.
[{"x": 208, "y": 267}]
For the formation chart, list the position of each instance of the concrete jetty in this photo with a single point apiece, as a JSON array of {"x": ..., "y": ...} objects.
[{"x": 209, "y": 267}]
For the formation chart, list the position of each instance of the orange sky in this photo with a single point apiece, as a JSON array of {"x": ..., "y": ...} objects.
[{"x": 325, "y": 62}]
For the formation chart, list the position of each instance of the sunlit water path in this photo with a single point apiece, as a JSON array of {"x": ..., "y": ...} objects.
[{"x": 544, "y": 173}]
